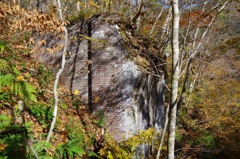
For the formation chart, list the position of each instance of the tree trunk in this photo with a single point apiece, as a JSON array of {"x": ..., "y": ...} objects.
[
  {"x": 57, "y": 77},
  {"x": 175, "y": 80},
  {"x": 163, "y": 133},
  {"x": 158, "y": 17},
  {"x": 90, "y": 102}
]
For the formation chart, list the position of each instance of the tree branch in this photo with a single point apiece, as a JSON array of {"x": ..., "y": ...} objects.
[{"x": 134, "y": 19}]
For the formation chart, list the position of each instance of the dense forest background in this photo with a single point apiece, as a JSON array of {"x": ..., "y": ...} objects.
[{"x": 209, "y": 82}]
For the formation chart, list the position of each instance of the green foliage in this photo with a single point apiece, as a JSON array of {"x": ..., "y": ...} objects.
[
  {"x": 71, "y": 148},
  {"x": 13, "y": 144},
  {"x": 72, "y": 129},
  {"x": 40, "y": 147},
  {"x": 5, "y": 121},
  {"x": 100, "y": 118},
  {"x": 4, "y": 66},
  {"x": 18, "y": 87},
  {"x": 11, "y": 79},
  {"x": 44, "y": 76},
  {"x": 80, "y": 135},
  {"x": 6, "y": 80},
  {"x": 63, "y": 105},
  {"x": 3, "y": 46},
  {"x": 43, "y": 113},
  {"x": 207, "y": 139}
]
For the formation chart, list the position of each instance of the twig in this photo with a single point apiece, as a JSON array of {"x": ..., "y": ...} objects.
[{"x": 30, "y": 146}]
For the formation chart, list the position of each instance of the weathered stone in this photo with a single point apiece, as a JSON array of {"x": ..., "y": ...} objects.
[{"x": 131, "y": 98}]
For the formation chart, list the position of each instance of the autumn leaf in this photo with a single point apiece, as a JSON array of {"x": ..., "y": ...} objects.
[
  {"x": 76, "y": 92},
  {"x": 2, "y": 147},
  {"x": 20, "y": 78},
  {"x": 31, "y": 41},
  {"x": 96, "y": 100}
]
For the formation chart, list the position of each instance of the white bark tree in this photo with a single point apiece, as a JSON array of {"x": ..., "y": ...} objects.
[
  {"x": 184, "y": 59},
  {"x": 175, "y": 79},
  {"x": 58, "y": 75}
]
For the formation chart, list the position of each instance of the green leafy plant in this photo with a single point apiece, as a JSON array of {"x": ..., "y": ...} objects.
[
  {"x": 100, "y": 118},
  {"x": 71, "y": 148},
  {"x": 40, "y": 147},
  {"x": 44, "y": 75},
  {"x": 85, "y": 134},
  {"x": 11, "y": 79},
  {"x": 12, "y": 139},
  {"x": 42, "y": 112},
  {"x": 4, "y": 66},
  {"x": 17, "y": 86},
  {"x": 5, "y": 121},
  {"x": 15, "y": 145}
]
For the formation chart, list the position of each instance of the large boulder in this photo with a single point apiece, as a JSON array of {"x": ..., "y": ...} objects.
[{"x": 127, "y": 80}]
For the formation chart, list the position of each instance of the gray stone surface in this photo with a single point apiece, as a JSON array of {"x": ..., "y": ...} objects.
[{"x": 131, "y": 98}]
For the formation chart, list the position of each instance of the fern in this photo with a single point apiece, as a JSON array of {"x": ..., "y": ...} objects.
[
  {"x": 71, "y": 148},
  {"x": 6, "y": 80},
  {"x": 5, "y": 121},
  {"x": 40, "y": 147},
  {"x": 3, "y": 66},
  {"x": 3, "y": 46},
  {"x": 23, "y": 90},
  {"x": 20, "y": 88},
  {"x": 101, "y": 119}
]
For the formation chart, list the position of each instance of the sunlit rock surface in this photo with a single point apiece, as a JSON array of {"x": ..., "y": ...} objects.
[{"x": 131, "y": 98}]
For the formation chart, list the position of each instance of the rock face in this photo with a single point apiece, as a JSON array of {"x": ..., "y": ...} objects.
[{"x": 131, "y": 98}]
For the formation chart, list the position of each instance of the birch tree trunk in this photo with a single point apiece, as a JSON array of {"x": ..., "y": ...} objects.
[
  {"x": 175, "y": 80},
  {"x": 57, "y": 76}
]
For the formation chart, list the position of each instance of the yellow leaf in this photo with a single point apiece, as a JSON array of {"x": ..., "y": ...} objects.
[
  {"x": 109, "y": 156},
  {"x": 76, "y": 92},
  {"x": 92, "y": 3},
  {"x": 96, "y": 100},
  {"x": 2, "y": 147},
  {"x": 20, "y": 78},
  {"x": 16, "y": 106}
]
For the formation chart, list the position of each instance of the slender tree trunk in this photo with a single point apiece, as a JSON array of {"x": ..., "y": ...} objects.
[
  {"x": 163, "y": 133},
  {"x": 175, "y": 80},
  {"x": 57, "y": 76},
  {"x": 158, "y": 17},
  {"x": 185, "y": 84},
  {"x": 165, "y": 28},
  {"x": 90, "y": 103},
  {"x": 195, "y": 47}
]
